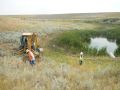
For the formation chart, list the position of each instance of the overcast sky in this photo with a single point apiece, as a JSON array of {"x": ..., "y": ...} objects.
[{"x": 57, "y": 6}]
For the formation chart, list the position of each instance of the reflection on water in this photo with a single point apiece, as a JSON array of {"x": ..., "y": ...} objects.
[{"x": 100, "y": 43}]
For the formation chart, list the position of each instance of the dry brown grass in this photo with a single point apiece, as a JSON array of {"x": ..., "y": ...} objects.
[
  {"x": 99, "y": 74},
  {"x": 17, "y": 24},
  {"x": 58, "y": 71}
]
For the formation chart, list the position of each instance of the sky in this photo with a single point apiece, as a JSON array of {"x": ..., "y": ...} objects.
[{"x": 17, "y": 7}]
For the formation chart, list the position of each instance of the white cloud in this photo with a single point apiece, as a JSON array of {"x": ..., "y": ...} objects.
[{"x": 57, "y": 6}]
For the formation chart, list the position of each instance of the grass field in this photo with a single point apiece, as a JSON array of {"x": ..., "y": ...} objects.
[
  {"x": 75, "y": 41},
  {"x": 59, "y": 69}
]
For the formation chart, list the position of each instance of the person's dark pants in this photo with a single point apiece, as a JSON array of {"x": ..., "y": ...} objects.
[
  {"x": 80, "y": 62},
  {"x": 32, "y": 62}
]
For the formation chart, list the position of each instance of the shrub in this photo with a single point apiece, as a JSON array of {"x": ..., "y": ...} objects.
[{"x": 75, "y": 41}]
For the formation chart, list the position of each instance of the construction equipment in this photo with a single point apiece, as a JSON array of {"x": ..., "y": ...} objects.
[{"x": 30, "y": 41}]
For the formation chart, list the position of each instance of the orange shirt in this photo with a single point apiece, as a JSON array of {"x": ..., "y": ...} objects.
[{"x": 30, "y": 55}]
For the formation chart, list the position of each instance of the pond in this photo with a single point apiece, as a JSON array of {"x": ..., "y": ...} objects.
[{"x": 100, "y": 43}]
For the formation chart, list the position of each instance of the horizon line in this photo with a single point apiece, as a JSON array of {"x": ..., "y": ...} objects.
[{"x": 59, "y": 13}]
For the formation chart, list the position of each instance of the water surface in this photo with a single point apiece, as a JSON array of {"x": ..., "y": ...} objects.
[{"x": 100, "y": 43}]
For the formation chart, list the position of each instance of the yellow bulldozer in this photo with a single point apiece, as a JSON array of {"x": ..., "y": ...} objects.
[{"x": 30, "y": 41}]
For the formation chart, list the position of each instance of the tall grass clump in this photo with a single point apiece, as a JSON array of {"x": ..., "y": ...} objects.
[
  {"x": 99, "y": 74},
  {"x": 75, "y": 41}
]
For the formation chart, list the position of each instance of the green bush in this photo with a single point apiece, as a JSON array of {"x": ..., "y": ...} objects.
[{"x": 75, "y": 41}]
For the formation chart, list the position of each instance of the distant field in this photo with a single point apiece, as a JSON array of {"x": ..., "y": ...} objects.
[
  {"x": 59, "y": 69},
  {"x": 50, "y": 23}
]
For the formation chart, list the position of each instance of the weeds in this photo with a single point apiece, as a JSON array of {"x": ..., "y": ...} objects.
[
  {"x": 78, "y": 40},
  {"x": 50, "y": 74},
  {"x": 58, "y": 70}
]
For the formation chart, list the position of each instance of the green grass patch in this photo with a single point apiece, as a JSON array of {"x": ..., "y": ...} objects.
[{"x": 75, "y": 41}]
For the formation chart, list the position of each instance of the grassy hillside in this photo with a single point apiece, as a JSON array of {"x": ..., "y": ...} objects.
[
  {"x": 59, "y": 69},
  {"x": 50, "y": 23}
]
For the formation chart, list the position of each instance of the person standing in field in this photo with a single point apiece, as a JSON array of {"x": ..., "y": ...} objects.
[
  {"x": 31, "y": 57},
  {"x": 81, "y": 58}
]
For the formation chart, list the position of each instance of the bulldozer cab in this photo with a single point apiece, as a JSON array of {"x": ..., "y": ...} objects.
[{"x": 29, "y": 41}]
